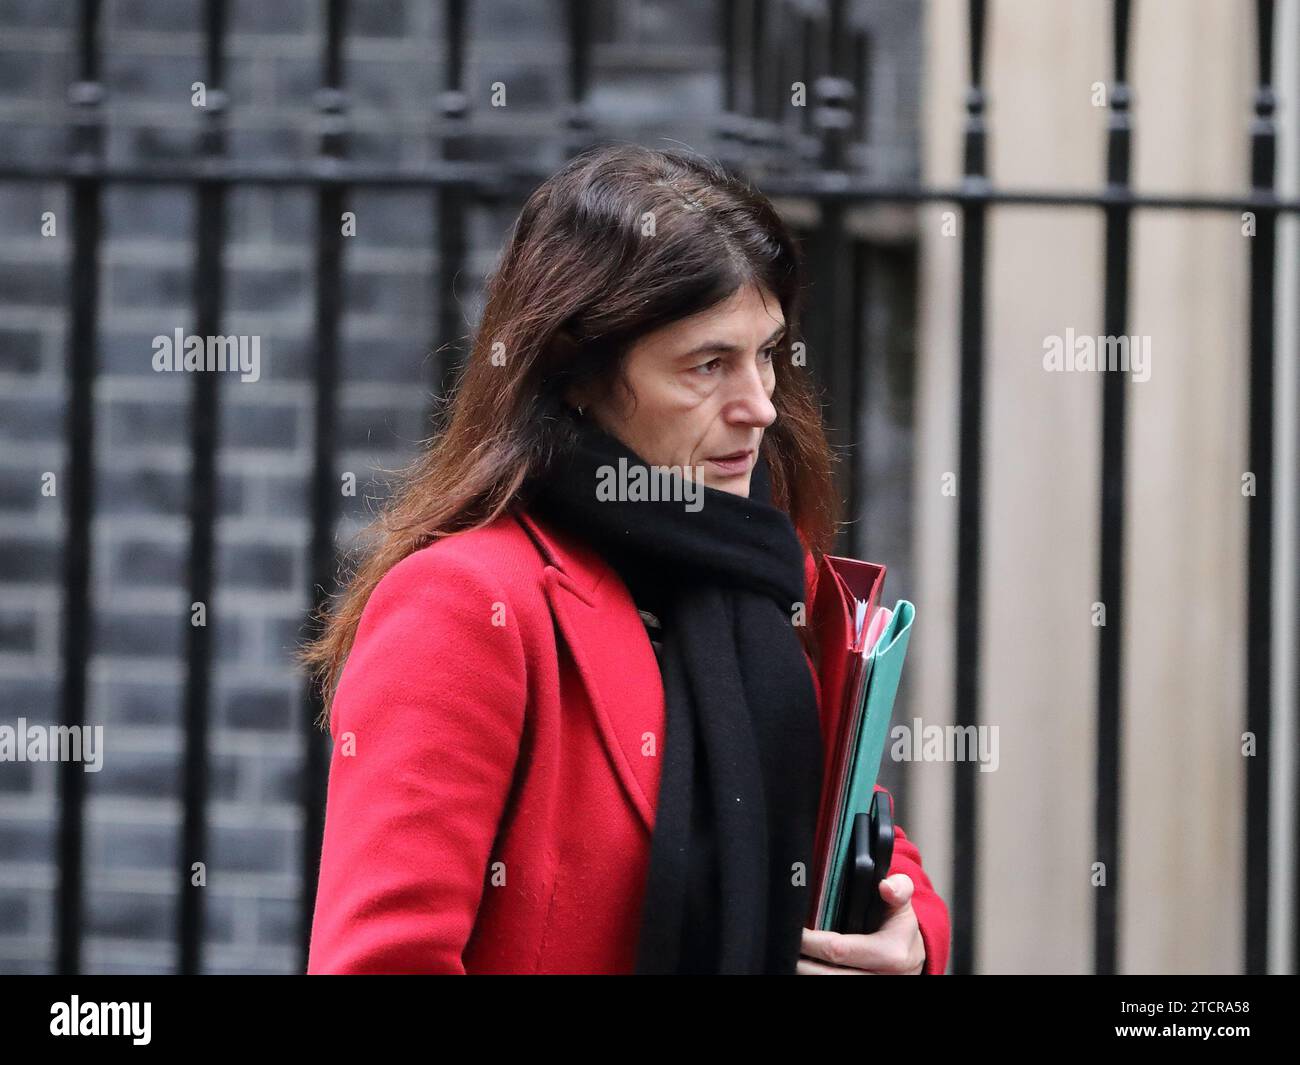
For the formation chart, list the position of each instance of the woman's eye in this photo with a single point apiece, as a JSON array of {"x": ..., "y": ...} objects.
[
  {"x": 704, "y": 368},
  {"x": 769, "y": 352}
]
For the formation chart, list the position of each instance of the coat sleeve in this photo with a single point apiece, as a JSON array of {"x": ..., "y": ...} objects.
[
  {"x": 427, "y": 723},
  {"x": 930, "y": 909}
]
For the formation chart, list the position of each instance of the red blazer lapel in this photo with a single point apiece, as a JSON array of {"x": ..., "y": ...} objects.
[{"x": 607, "y": 639}]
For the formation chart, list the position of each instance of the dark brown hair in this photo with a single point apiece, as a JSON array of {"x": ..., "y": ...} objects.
[{"x": 622, "y": 240}]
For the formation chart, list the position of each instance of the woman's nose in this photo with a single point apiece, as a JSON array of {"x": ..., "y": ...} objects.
[{"x": 752, "y": 405}]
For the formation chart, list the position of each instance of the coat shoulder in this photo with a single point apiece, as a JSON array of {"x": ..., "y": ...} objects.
[
  {"x": 499, "y": 555},
  {"x": 450, "y": 591}
]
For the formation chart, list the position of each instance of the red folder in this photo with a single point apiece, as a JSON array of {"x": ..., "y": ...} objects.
[{"x": 842, "y": 583}]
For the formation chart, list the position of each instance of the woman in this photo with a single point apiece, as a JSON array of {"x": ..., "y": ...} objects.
[{"x": 577, "y": 730}]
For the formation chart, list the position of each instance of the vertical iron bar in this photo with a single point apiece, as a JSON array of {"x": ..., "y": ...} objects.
[
  {"x": 1111, "y": 563},
  {"x": 1259, "y": 529},
  {"x": 758, "y": 74},
  {"x": 834, "y": 91},
  {"x": 785, "y": 65},
  {"x": 449, "y": 210},
  {"x": 579, "y": 118},
  {"x": 208, "y": 287},
  {"x": 791, "y": 59},
  {"x": 860, "y": 356},
  {"x": 862, "y": 68},
  {"x": 325, "y": 489},
  {"x": 774, "y": 57},
  {"x": 745, "y": 103},
  {"x": 86, "y": 96},
  {"x": 831, "y": 319},
  {"x": 970, "y": 465},
  {"x": 727, "y": 37},
  {"x": 762, "y": 133},
  {"x": 730, "y": 120},
  {"x": 809, "y": 43}
]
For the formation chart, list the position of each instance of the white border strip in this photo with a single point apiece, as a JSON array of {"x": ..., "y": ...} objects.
[{"x": 1284, "y": 799}]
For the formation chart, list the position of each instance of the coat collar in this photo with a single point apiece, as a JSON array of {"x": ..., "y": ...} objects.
[{"x": 607, "y": 639}]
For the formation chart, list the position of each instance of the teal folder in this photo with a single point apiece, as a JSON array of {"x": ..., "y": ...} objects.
[{"x": 868, "y": 728}]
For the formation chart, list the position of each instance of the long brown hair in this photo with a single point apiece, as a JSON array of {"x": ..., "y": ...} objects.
[{"x": 622, "y": 240}]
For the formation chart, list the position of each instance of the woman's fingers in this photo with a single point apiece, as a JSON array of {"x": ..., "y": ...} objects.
[
  {"x": 808, "y": 967},
  {"x": 893, "y": 949},
  {"x": 900, "y": 888},
  {"x": 877, "y": 952}
]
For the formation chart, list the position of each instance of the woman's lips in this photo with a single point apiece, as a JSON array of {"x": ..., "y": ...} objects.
[{"x": 732, "y": 465}]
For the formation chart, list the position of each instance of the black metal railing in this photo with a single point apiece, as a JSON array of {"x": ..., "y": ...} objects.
[{"x": 799, "y": 153}]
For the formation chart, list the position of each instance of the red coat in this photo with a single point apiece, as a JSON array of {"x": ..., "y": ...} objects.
[{"x": 490, "y": 805}]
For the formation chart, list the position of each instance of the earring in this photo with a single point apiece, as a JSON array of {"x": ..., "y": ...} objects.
[{"x": 579, "y": 412}]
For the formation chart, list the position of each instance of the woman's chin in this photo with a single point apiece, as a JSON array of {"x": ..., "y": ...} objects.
[{"x": 737, "y": 484}]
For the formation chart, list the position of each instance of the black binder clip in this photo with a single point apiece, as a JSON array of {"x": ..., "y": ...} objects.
[{"x": 871, "y": 851}]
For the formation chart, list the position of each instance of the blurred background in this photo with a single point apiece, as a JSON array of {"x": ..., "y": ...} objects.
[{"x": 968, "y": 180}]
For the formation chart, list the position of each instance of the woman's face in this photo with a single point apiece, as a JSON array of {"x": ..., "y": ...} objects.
[{"x": 703, "y": 390}]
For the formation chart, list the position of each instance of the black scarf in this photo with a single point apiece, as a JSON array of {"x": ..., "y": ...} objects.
[{"x": 741, "y": 713}]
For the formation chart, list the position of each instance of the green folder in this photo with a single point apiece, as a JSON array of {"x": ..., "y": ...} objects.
[{"x": 884, "y": 668}]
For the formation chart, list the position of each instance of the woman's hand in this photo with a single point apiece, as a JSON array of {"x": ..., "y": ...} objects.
[{"x": 895, "y": 949}]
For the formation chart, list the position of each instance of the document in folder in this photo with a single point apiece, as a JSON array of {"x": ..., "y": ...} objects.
[{"x": 861, "y": 646}]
